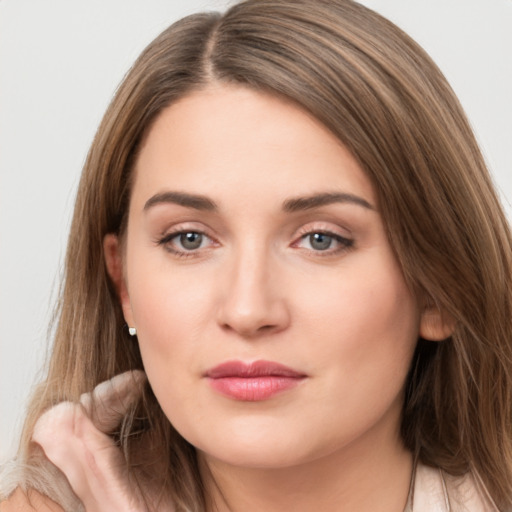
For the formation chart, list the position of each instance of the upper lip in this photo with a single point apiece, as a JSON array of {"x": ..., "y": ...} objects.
[{"x": 251, "y": 370}]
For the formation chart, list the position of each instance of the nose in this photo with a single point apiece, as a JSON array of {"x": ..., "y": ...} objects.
[{"x": 253, "y": 300}]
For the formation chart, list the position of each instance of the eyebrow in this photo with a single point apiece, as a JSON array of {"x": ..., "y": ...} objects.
[
  {"x": 296, "y": 204},
  {"x": 197, "y": 202},
  {"x": 323, "y": 199}
]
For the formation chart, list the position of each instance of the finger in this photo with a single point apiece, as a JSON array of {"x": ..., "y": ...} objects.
[
  {"x": 93, "y": 465},
  {"x": 110, "y": 401}
]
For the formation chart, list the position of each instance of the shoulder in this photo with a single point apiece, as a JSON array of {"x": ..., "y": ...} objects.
[
  {"x": 435, "y": 490},
  {"x": 30, "y": 501}
]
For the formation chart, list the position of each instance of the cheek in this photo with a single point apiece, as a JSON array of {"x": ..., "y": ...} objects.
[
  {"x": 166, "y": 313},
  {"x": 171, "y": 313},
  {"x": 365, "y": 330},
  {"x": 165, "y": 299},
  {"x": 168, "y": 339},
  {"x": 377, "y": 302}
]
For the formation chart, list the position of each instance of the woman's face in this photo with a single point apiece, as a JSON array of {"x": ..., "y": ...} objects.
[{"x": 254, "y": 236}]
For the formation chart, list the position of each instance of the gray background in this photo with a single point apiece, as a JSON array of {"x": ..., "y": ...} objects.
[{"x": 60, "y": 62}]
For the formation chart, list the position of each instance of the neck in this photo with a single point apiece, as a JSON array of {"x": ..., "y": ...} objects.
[{"x": 370, "y": 474}]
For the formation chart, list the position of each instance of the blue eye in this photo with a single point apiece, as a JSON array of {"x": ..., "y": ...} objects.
[
  {"x": 320, "y": 241},
  {"x": 190, "y": 240},
  {"x": 184, "y": 242}
]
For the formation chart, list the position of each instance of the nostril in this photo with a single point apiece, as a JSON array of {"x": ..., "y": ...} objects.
[{"x": 267, "y": 327}]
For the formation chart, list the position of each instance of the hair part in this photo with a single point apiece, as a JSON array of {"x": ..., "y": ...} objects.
[{"x": 388, "y": 103}]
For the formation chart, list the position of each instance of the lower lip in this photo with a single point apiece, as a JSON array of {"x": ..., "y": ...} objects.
[{"x": 253, "y": 389}]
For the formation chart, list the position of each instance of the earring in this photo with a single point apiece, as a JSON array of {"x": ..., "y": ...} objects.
[{"x": 132, "y": 331}]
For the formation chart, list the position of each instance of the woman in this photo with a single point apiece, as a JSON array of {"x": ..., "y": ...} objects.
[{"x": 286, "y": 222}]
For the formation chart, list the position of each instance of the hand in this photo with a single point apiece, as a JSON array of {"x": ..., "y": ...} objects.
[{"x": 74, "y": 437}]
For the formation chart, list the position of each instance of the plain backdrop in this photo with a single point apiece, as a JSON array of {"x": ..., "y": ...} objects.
[{"x": 60, "y": 62}]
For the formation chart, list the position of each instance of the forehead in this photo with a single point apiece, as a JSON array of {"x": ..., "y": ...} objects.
[{"x": 232, "y": 139}]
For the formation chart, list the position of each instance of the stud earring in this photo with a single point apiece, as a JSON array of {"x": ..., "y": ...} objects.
[{"x": 132, "y": 331}]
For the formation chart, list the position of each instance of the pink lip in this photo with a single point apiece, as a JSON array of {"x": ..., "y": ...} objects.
[{"x": 252, "y": 382}]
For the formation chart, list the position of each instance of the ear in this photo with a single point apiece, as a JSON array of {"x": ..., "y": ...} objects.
[
  {"x": 435, "y": 324},
  {"x": 114, "y": 261}
]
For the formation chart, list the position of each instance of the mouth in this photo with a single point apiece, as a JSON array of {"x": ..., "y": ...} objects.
[{"x": 252, "y": 382}]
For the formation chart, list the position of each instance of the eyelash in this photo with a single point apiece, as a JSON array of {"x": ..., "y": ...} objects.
[
  {"x": 344, "y": 244},
  {"x": 166, "y": 240}
]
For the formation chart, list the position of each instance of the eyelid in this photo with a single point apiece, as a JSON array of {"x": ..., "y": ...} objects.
[
  {"x": 167, "y": 235},
  {"x": 345, "y": 242},
  {"x": 184, "y": 226},
  {"x": 323, "y": 227}
]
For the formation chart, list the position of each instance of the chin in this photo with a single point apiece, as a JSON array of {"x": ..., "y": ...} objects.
[
  {"x": 255, "y": 457},
  {"x": 253, "y": 445}
]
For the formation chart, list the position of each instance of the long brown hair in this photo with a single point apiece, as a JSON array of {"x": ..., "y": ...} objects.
[{"x": 388, "y": 103}]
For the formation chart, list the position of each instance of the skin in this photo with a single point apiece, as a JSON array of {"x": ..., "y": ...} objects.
[{"x": 259, "y": 287}]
